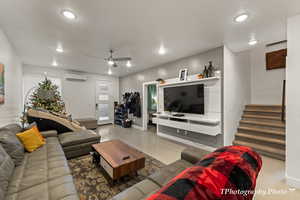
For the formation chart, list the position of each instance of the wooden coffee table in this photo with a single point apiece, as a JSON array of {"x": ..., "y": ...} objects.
[{"x": 118, "y": 159}]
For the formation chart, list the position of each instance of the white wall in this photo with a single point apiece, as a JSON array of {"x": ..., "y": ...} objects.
[
  {"x": 11, "y": 110},
  {"x": 194, "y": 64},
  {"x": 79, "y": 96},
  {"x": 266, "y": 85},
  {"x": 237, "y": 90},
  {"x": 293, "y": 103}
]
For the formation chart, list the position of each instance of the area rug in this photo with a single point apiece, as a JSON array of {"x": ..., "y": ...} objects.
[{"x": 92, "y": 183}]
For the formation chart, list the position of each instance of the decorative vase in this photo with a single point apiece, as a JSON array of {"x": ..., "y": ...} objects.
[{"x": 210, "y": 69}]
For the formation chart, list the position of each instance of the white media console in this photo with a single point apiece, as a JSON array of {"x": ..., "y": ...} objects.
[
  {"x": 208, "y": 125},
  {"x": 203, "y": 125}
]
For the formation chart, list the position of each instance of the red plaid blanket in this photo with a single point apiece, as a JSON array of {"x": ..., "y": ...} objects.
[{"x": 229, "y": 173}]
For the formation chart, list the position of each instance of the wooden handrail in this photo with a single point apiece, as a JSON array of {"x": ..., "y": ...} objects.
[
  {"x": 283, "y": 103},
  {"x": 275, "y": 43}
]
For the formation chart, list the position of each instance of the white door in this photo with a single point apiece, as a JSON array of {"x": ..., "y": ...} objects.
[{"x": 104, "y": 102}]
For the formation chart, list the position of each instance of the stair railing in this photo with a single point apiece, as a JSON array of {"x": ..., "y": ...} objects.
[{"x": 283, "y": 103}]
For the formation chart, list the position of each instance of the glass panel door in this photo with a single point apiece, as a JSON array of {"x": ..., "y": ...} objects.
[{"x": 104, "y": 102}]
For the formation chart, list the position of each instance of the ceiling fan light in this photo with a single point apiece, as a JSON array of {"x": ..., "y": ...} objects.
[
  {"x": 252, "y": 42},
  {"x": 110, "y": 62},
  {"x": 128, "y": 64},
  {"x": 109, "y": 72},
  {"x": 59, "y": 49}
]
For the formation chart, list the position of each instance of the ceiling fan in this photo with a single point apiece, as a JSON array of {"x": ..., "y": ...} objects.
[{"x": 113, "y": 61}]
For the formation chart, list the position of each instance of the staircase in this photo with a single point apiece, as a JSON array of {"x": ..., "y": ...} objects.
[{"x": 262, "y": 128}]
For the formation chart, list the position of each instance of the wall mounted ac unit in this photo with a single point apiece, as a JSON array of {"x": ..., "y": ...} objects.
[{"x": 76, "y": 77}]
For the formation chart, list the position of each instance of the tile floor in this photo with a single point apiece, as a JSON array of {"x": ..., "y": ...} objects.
[{"x": 271, "y": 178}]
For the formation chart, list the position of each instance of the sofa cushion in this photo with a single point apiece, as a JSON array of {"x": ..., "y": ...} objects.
[
  {"x": 79, "y": 149},
  {"x": 12, "y": 145},
  {"x": 78, "y": 137},
  {"x": 138, "y": 191},
  {"x": 165, "y": 174},
  {"x": 6, "y": 170},
  {"x": 15, "y": 128},
  {"x": 193, "y": 155},
  {"x": 51, "y": 133},
  {"x": 42, "y": 165},
  {"x": 34, "y": 126},
  {"x": 60, "y": 188}
]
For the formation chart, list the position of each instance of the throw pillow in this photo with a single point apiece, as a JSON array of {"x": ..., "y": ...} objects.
[
  {"x": 12, "y": 146},
  {"x": 231, "y": 168},
  {"x": 34, "y": 125},
  {"x": 31, "y": 139},
  {"x": 7, "y": 167}
]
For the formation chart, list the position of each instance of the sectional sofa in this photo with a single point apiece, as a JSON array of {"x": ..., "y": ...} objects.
[
  {"x": 44, "y": 174},
  {"x": 154, "y": 182}
]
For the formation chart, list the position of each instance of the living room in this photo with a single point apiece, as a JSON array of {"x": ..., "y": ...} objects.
[{"x": 157, "y": 85}]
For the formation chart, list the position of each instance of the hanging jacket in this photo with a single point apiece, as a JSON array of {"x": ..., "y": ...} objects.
[{"x": 137, "y": 110}]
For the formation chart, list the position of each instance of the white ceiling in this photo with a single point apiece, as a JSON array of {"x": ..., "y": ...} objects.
[{"x": 136, "y": 28}]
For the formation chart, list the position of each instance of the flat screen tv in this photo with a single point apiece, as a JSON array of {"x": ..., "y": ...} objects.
[{"x": 185, "y": 99}]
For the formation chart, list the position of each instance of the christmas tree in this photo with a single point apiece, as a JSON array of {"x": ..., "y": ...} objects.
[{"x": 47, "y": 97}]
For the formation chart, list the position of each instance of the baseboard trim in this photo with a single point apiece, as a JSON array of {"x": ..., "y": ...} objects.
[
  {"x": 293, "y": 182},
  {"x": 194, "y": 144},
  {"x": 137, "y": 127}
]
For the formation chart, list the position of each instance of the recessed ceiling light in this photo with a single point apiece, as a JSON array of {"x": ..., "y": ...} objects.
[
  {"x": 68, "y": 14},
  {"x": 252, "y": 42},
  {"x": 59, "y": 49},
  {"x": 241, "y": 18},
  {"x": 162, "y": 50},
  {"x": 109, "y": 72},
  {"x": 128, "y": 64},
  {"x": 54, "y": 63}
]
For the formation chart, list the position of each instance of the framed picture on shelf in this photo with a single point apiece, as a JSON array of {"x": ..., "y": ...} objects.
[{"x": 183, "y": 74}]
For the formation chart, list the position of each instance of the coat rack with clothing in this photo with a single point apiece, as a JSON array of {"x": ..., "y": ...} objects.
[
  {"x": 132, "y": 102},
  {"x": 130, "y": 108}
]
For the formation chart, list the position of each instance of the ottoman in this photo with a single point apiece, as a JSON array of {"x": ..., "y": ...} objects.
[
  {"x": 78, "y": 143},
  {"x": 89, "y": 123}
]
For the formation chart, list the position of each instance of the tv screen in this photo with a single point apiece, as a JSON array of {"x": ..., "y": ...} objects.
[{"x": 184, "y": 99}]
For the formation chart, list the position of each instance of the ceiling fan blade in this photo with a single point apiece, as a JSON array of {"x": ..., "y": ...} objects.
[
  {"x": 122, "y": 59},
  {"x": 115, "y": 65}
]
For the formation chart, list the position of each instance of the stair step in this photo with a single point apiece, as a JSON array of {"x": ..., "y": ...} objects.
[
  {"x": 262, "y": 117},
  {"x": 264, "y": 150},
  {"x": 261, "y": 138},
  {"x": 278, "y": 124},
  {"x": 264, "y": 107},
  {"x": 260, "y": 130},
  {"x": 263, "y": 111}
]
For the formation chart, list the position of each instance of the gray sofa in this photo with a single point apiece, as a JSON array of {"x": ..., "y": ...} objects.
[
  {"x": 44, "y": 173},
  {"x": 154, "y": 182}
]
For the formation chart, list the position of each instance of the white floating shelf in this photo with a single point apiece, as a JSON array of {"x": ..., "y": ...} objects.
[{"x": 177, "y": 82}]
